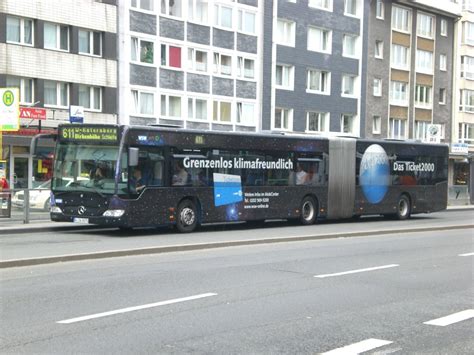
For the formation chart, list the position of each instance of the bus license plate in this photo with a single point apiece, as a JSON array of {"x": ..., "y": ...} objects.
[{"x": 81, "y": 220}]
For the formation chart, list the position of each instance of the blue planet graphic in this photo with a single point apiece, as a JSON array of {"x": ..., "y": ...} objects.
[{"x": 374, "y": 173}]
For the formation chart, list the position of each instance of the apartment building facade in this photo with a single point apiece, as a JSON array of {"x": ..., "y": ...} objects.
[
  {"x": 313, "y": 65},
  {"x": 462, "y": 148},
  {"x": 192, "y": 64},
  {"x": 410, "y": 61},
  {"x": 58, "y": 54}
]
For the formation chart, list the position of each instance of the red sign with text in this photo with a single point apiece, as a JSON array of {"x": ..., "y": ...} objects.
[{"x": 33, "y": 113}]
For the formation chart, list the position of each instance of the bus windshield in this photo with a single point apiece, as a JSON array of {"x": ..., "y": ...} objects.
[{"x": 81, "y": 167}]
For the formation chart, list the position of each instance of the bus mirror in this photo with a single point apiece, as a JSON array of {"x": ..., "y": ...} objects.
[
  {"x": 133, "y": 156},
  {"x": 34, "y": 142}
]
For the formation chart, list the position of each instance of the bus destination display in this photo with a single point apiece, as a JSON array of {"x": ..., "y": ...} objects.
[{"x": 89, "y": 133}]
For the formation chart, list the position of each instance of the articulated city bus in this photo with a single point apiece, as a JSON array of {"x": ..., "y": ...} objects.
[{"x": 143, "y": 176}]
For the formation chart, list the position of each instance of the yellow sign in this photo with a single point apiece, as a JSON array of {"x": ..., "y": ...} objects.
[
  {"x": 9, "y": 109},
  {"x": 88, "y": 133}
]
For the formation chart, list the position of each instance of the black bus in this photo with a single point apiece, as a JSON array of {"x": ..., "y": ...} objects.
[{"x": 140, "y": 176}]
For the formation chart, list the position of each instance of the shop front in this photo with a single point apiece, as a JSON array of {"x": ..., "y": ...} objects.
[
  {"x": 461, "y": 175},
  {"x": 21, "y": 169}
]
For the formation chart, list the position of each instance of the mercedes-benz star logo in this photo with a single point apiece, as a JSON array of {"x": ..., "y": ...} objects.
[{"x": 81, "y": 210}]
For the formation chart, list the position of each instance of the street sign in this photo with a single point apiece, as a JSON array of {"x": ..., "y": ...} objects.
[
  {"x": 33, "y": 113},
  {"x": 9, "y": 109},
  {"x": 76, "y": 114}
]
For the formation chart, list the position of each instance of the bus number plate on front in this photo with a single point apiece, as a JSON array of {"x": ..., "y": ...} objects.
[{"x": 81, "y": 220}]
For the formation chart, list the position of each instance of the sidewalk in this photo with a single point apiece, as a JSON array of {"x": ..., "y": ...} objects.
[{"x": 42, "y": 223}]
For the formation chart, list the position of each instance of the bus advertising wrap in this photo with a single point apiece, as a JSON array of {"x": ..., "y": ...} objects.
[{"x": 237, "y": 163}]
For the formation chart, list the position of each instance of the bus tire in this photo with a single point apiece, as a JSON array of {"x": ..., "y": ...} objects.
[
  {"x": 403, "y": 208},
  {"x": 308, "y": 211},
  {"x": 187, "y": 218}
]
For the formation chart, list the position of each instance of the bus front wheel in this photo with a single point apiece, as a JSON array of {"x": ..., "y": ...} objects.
[
  {"x": 187, "y": 219},
  {"x": 308, "y": 211},
  {"x": 403, "y": 208}
]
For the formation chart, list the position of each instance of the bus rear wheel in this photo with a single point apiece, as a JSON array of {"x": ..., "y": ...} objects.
[
  {"x": 403, "y": 208},
  {"x": 308, "y": 211},
  {"x": 187, "y": 219}
]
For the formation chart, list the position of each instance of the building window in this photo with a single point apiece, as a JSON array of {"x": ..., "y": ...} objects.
[
  {"x": 222, "y": 64},
  {"x": 401, "y": 19},
  {"x": 143, "y": 103},
  {"x": 443, "y": 30},
  {"x": 379, "y": 49},
  {"x": 246, "y": 113},
  {"x": 467, "y": 101},
  {"x": 396, "y": 128},
  {"x": 221, "y": 111},
  {"x": 467, "y": 67},
  {"x": 424, "y": 61},
  {"x": 347, "y": 122},
  {"x": 197, "y": 60},
  {"x": 424, "y": 25},
  {"x": 321, "y": 4},
  {"x": 284, "y": 76},
  {"x": 197, "y": 109},
  {"x": 245, "y": 68},
  {"x": 317, "y": 121},
  {"x": 377, "y": 87},
  {"x": 171, "y": 8},
  {"x": 19, "y": 30},
  {"x": 197, "y": 10},
  {"x": 319, "y": 40},
  {"x": 400, "y": 57},
  {"x": 222, "y": 16},
  {"x": 319, "y": 82},
  {"x": 468, "y": 35},
  {"x": 468, "y": 5},
  {"x": 56, "y": 36},
  {"x": 350, "y": 7},
  {"x": 349, "y": 45},
  {"x": 423, "y": 96},
  {"x": 442, "y": 62},
  {"x": 285, "y": 33},
  {"x": 170, "y": 56},
  {"x": 90, "y": 97},
  {"x": 442, "y": 96},
  {"x": 466, "y": 133},
  {"x": 246, "y": 21},
  {"x": 25, "y": 87},
  {"x": 142, "y": 51},
  {"x": 398, "y": 93},
  {"x": 348, "y": 85},
  {"x": 380, "y": 10},
  {"x": 90, "y": 42},
  {"x": 283, "y": 118},
  {"x": 170, "y": 106},
  {"x": 376, "y": 125},
  {"x": 56, "y": 94},
  {"x": 143, "y": 4},
  {"x": 421, "y": 130}
]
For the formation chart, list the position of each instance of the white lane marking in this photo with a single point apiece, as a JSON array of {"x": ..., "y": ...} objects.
[
  {"x": 467, "y": 254},
  {"x": 453, "y": 318},
  {"x": 360, "y": 347},
  {"x": 357, "y": 271},
  {"x": 136, "y": 308}
]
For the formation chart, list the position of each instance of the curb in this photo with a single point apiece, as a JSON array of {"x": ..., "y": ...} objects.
[{"x": 201, "y": 246}]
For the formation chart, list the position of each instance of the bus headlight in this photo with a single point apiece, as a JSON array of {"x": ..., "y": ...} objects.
[
  {"x": 114, "y": 213},
  {"x": 55, "y": 209}
]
